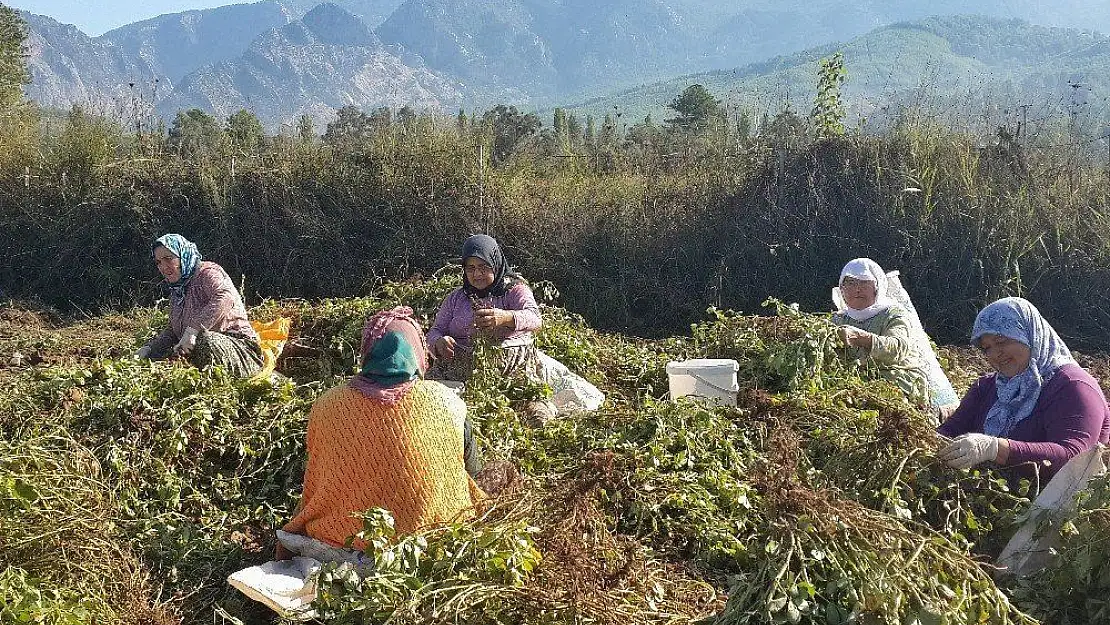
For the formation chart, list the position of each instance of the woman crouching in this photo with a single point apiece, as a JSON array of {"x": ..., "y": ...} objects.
[{"x": 208, "y": 321}]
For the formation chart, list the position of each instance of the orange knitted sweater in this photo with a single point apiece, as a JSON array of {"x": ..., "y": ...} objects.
[{"x": 362, "y": 454}]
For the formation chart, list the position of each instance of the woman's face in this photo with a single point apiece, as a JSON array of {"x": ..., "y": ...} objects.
[
  {"x": 169, "y": 265},
  {"x": 858, "y": 294},
  {"x": 478, "y": 273},
  {"x": 1008, "y": 357}
]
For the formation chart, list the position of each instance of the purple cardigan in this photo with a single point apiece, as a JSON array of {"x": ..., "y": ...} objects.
[
  {"x": 1069, "y": 418},
  {"x": 456, "y": 317}
]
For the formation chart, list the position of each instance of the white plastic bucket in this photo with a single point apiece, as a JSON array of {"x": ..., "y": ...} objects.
[{"x": 711, "y": 379}]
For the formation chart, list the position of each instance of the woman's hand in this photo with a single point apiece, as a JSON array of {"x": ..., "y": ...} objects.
[
  {"x": 854, "y": 337},
  {"x": 444, "y": 348},
  {"x": 493, "y": 318},
  {"x": 969, "y": 450},
  {"x": 187, "y": 343}
]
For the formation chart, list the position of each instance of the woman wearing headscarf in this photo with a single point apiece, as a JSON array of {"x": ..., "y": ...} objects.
[
  {"x": 493, "y": 300},
  {"x": 875, "y": 330},
  {"x": 386, "y": 439},
  {"x": 1039, "y": 406},
  {"x": 208, "y": 321}
]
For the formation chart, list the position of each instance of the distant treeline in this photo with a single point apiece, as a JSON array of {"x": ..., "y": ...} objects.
[{"x": 640, "y": 229}]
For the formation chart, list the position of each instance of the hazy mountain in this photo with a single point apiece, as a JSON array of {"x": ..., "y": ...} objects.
[
  {"x": 179, "y": 43},
  {"x": 560, "y": 48},
  {"x": 531, "y": 53},
  {"x": 543, "y": 47},
  {"x": 68, "y": 67},
  {"x": 373, "y": 12},
  {"x": 759, "y": 29},
  {"x": 969, "y": 62},
  {"x": 324, "y": 61}
]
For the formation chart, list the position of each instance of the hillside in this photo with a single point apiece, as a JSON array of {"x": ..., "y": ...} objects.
[
  {"x": 325, "y": 61},
  {"x": 68, "y": 67},
  {"x": 373, "y": 12},
  {"x": 538, "y": 53},
  {"x": 970, "y": 61},
  {"x": 180, "y": 43}
]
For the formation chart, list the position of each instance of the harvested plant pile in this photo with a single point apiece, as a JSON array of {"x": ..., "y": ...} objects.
[{"x": 128, "y": 491}]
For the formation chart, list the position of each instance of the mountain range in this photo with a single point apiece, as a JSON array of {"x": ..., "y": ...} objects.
[
  {"x": 968, "y": 66},
  {"x": 291, "y": 57}
]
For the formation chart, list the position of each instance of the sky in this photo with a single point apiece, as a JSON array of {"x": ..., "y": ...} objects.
[{"x": 96, "y": 17}]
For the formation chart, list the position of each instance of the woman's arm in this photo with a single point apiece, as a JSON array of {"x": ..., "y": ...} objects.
[
  {"x": 893, "y": 346},
  {"x": 159, "y": 347},
  {"x": 218, "y": 298},
  {"x": 966, "y": 417},
  {"x": 526, "y": 312},
  {"x": 446, "y": 313},
  {"x": 1072, "y": 421}
]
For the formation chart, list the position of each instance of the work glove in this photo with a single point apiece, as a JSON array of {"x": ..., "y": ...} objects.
[
  {"x": 187, "y": 343},
  {"x": 143, "y": 353},
  {"x": 969, "y": 450}
]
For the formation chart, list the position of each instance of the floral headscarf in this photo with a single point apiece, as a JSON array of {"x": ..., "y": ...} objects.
[
  {"x": 394, "y": 356},
  {"x": 186, "y": 251},
  {"x": 1018, "y": 319},
  {"x": 869, "y": 271}
]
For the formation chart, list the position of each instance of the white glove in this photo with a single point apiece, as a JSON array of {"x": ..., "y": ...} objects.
[
  {"x": 187, "y": 343},
  {"x": 969, "y": 450},
  {"x": 143, "y": 353}
]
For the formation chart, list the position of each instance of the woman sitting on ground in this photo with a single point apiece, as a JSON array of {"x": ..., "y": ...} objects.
[
  {"x": 1038, "y": 407},
  {"x": 493, "y": 300},
  {"x": 875, "y": 329},
  {"x": 386, "y": 439},
  {"x": 208, "y": 321}
]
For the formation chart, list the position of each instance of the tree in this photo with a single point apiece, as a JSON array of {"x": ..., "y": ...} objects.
[
  {"x": 13, "y": 60},
  {"x": 245, "y": 131},
  {"x": 381, "y": 119},
  {"x": 828, "y": 107},
  {"x": 743, "y": 127},
  {"x": 510, "y": 128},
  {"x": 787, "y": 128},
  {"x": 461, "y": 122},
  {"x": 607, "y": 138},
  {"x": 306, "y": 128},
  {"x": 697, "y": 109},
  {"x": 351, "y": 126},
  {"x": 195, "y": 133},
  {"x": 406, "y": 118},
  {"x": 574, "y": 129}
]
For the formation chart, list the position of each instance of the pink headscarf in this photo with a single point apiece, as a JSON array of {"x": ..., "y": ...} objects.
[{"x": 399, "y": 320}]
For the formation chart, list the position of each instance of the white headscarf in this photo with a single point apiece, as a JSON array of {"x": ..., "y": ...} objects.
[{"x": 870, "y": 271}]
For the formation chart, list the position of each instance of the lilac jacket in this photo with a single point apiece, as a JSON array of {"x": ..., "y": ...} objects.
[
  {"x": 456, "y": 317},
  {"x": 211, "y": 303},
  {"x": 1070, "y": 417}
]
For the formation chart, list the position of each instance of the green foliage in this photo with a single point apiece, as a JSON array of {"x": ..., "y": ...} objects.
[
  {"x": 245, "y": 132},
  {"x": 83, "y": 150},
  {"x": 13, "y": 62},
  {"x": 452, "y": 571},
  {"x": 1073, "y": 588},
  {"x": 696, "y": 107},
  {"x": 817, "y": 499},
  {"x": 510, "y": 128},
  {"x": 195, "y": 133},
  {"x": 350, "y": 127},
  {"x": 828, "y": 112}
]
